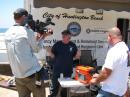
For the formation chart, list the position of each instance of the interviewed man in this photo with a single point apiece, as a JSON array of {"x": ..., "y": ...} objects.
[{"x": 114, "y": 74}]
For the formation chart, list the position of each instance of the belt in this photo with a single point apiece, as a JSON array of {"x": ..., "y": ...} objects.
[
  {"x": 31, "y": 76},
  {"x": 111, "y": 93}
]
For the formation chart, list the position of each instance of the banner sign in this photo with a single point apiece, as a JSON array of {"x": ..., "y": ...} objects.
[{"x": 89, "y": 28}]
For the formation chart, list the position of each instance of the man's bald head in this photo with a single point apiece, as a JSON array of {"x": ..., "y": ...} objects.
[
  {"x": 115, "y": 32},
  {"x": 114, "y": 35}
]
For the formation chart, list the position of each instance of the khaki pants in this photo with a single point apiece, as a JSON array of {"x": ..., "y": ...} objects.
[{"x": 26, "y": 86}]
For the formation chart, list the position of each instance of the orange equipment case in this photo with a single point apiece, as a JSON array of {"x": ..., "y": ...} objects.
[{"x": 83, "y": 74}]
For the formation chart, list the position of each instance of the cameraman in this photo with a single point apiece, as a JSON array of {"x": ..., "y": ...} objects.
[{"x": 21, "y": 43}]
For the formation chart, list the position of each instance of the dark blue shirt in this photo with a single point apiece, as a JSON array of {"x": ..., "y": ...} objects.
[{"x": 64, "y": 54}]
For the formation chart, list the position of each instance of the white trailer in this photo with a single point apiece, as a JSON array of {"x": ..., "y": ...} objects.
[{"x": 88, "y": 25}]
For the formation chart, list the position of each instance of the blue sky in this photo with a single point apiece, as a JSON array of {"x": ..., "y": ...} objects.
[{"x": 7, "y": 7}]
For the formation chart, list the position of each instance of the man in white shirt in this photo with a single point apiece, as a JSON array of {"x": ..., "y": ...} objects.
[
  {"x": 21, "y": 43},
  {"x": 114, "y": 74}
]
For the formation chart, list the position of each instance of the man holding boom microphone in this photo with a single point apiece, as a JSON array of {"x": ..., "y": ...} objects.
[{"x": 21, "y": 43}]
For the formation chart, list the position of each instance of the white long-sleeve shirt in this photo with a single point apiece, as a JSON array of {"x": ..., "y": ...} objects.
[{"x": 21, "y": 44}]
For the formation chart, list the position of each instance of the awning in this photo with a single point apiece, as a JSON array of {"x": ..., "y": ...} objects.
[{"x": 118, "y": 5}]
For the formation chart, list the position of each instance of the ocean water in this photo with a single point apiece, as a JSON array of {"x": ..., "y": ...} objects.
[{"x": 2, "y": 30}]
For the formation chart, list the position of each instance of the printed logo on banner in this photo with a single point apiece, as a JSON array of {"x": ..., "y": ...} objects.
[{"x": 74, "y": 28}]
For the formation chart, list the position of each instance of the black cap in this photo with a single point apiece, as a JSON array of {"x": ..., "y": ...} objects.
[
  {"x": 66, "y": 32},
  {"x": 20, "y": 12}
]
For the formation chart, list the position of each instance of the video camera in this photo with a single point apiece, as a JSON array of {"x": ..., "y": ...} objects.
[{"x": 39, "y": 26}]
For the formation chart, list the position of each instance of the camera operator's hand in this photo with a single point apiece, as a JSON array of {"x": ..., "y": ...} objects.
[
  {"x": 44, "y": 34},
  {"x": 39, "y": 36},
  {"x": 49, "y": 32}
]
